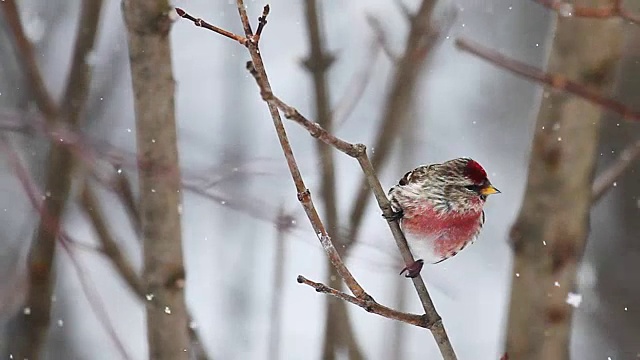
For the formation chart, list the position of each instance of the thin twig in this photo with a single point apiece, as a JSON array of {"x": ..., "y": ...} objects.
[
  {"x": 555, "y": 81},
  {"x": 369, "y": 305},
  {"x": 607, "y": 178},
  {"x": 357, "y": 151},
  {"x": 201, "y": 23},
  {"x": 304, "y": 196},
  {"x": 262, "y": 22},
  {"x": 567, "y": 9}
]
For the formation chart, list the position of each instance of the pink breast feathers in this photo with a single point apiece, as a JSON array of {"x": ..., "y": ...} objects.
[{"x": 450, "y": 232}]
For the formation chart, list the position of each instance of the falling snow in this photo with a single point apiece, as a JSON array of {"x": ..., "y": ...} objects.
[
  {"x": 34, "y": 27},
  {"x": 91, "y": 59},
  {"x": 565, "y": 9},
  {"x": 574, "y": 299}
]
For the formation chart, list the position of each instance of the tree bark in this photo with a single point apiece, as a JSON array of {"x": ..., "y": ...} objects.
[
  {"x": 551, "y": 229},
  {"x": 608, "y": 310},
  {"x": 148, "y": 25}
]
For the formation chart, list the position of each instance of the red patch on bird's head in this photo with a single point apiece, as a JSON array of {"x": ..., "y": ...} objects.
[{"x": 475, "y": 172}]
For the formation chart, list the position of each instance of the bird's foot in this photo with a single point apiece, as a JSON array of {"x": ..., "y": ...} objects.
[
  {"x": 413, "y": 270},
  {"x": 395, "y": 216}
]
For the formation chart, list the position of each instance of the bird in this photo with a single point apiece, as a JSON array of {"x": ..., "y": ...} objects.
[{"x": 439, "y": 208}]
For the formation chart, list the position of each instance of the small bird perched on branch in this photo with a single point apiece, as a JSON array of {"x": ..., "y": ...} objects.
[{"x": 439, "y": 207}]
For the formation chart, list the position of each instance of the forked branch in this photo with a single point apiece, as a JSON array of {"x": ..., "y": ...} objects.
[
  {"x": 369, "y": 305},
  {"x": 357, "y": 151}
]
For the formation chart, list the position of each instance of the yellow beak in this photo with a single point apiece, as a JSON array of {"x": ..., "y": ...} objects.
[{"x": 489, "y": 190}]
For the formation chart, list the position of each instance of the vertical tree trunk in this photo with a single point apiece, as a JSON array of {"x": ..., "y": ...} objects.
[
  {"x": 551, "y": 230},
  {"x": 608, "y": 310},
  {"x": 159, "y": 176}
]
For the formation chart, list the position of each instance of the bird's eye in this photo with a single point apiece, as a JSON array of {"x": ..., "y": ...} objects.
[{"x": 475, "y": 188}]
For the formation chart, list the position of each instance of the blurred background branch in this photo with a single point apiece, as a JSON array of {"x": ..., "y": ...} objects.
[
  {"x": 338, "y": 332},
  {"x": 29, "y": 332}
]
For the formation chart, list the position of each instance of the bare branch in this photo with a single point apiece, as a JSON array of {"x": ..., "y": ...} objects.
[
  {"x": 567, "y": 9},
  {"x": 370, "y": 305},
  {"x": 357, "y": 151},
  {"x": 262, "y": 22},
  {"x": 304, "y": 196},
  {"x": 607, "y": 178},
  {"x": 201, "y": 23},
  {"x": 555, "y": 81}
]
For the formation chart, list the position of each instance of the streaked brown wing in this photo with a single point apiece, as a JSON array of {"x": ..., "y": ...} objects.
[{"x": 416, "y": 175}]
